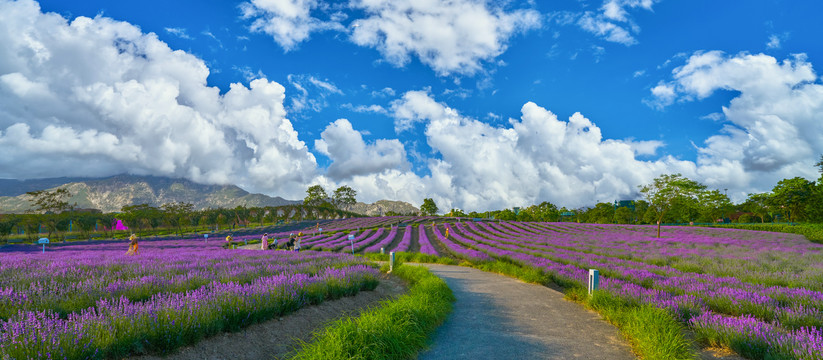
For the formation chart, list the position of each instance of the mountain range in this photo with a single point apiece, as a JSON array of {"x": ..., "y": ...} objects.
[{"x": 110, "y": 194}]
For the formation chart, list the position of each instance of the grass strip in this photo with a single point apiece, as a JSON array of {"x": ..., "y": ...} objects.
[
  {"x": 397, "y": 329},
  {"x": 412, "y": 257},
  {"x": 653, "y": 333}
]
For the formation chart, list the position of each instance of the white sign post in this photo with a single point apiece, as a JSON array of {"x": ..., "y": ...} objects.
[
  {"x": 391, "y": 261},
  {"x": 594, "y": 280},
  {"x": 351, "y": 239},
  {"x": 43, "y": 241}
]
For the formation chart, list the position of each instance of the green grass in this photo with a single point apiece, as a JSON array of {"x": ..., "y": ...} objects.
[
  {"x": 653, "y": 333},
  {"x": 812, "y": 232},
  {"x": 403, "y": 257},
  {"x": 397, "y": 329}
]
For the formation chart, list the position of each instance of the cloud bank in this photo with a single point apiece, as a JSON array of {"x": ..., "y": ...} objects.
[{"x": 97, "y": 96}]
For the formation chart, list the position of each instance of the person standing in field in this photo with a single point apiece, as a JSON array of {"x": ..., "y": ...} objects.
[
  {"x": 297, "y": 243},
  {"x": 132, "y": 245},
  {"x": 264, "y": 242},
  {"x": 228, "y": 238}
]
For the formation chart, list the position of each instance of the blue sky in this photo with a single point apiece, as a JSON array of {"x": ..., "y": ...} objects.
[{"x": 478, "y": 104}]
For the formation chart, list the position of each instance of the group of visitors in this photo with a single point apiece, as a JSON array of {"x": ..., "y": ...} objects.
[{"x": 292, "y": 244}]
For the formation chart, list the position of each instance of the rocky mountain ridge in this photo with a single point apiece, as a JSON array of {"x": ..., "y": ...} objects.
[{"x": 110, "y": 194}]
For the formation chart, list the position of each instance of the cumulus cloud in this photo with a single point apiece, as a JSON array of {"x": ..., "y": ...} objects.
[
  {"x": 774, "y": 125},
  {"x": 95, "y": 96},
  {"x": 289, "y": 22},
  {"x": 352, "y": 156},
  {"x": 536, "y": 158},
  {"x": 454, "y": 36},
  {"x": 612, "y": 22}
]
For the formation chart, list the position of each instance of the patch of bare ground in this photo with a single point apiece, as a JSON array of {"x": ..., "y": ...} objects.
[
  {"x": 276, "y": 338},
  {"x": 711, "y": 353}
]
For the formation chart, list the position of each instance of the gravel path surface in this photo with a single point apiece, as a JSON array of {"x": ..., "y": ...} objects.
[{"x": 497, "y": 317}]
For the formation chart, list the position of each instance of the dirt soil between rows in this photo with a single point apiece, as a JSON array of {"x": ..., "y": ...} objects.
[{"x": 276, "y": 338}]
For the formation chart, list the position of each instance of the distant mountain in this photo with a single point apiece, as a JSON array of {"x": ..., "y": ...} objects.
[
  {"x": 112, "y": 193},
  {"x": 381, "y": 207}
]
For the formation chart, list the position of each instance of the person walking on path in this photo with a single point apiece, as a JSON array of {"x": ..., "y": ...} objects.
[{"x": 264, "y": 242}]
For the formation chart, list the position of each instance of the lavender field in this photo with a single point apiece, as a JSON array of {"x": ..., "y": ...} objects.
[
  {"x": 759, "y": 293},
  {"x": 82, "y": 301}
]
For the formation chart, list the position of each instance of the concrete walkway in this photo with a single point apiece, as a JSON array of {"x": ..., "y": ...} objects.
[{"x": 497, "y": 317}]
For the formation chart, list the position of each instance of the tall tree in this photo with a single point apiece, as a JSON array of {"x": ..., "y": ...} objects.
[
  {"x": 344, "y": 197},
  {"x": 315, "y": 196},
  {"x": 792, "y": 195},
  {"x": 814, "y": 207},
  {"x": 177, "y": 214},
  {"x": 665, "y": 190},
  {"x": 51, "y": 203},
  {"x": 428, "y": 208},
  {"x": 757, "y": 204},
  {"x": 713, "y": 205},
  {"x": 545, "y": 211}
]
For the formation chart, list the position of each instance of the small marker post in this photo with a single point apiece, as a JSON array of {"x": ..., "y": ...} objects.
[
  {"x": 594, "y": 280},
  {"x": 351, "y": 239},
  {"x": 382, "y": 251},
  {"x": 391, "y": 261},
  {"x": 43, "y": 241},
  {"x": 205, "y": 237}
]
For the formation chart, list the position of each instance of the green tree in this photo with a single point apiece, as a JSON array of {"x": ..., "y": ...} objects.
[
  {"x": 665, "y": 190},
  {"x": 177, "y": 214},
  {"x": 7, "y": 223},
  {"x": 138, "y": 216},
  {"x": 623, "y": 215},
  {"x": 506, "y": 214},
  {"x": 792, "y": 195},
  {"x": 429, "y": 208},
  {"x": 315, "y": 196},
  {"x": 713, "y": 205},
  {"x": 545, "y": 211},
  {"x": 814, "y": 207},
  {"x": 456, "y": 213},
  {"x": 50, "y": 204},
  {"x": 344, "y": 198},
  {"x": 757, "y": 204}
]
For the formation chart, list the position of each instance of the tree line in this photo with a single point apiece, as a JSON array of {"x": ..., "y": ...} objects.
[{"x": 673, "y": 198}]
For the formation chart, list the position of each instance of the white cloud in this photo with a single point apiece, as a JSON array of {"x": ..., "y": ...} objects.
[
  {"x": 774, "y": 42},
  {"x": 775, "y": 127},
  {"x": 612, "y": 22},
  {"x": 351, "y": 156},
  {"x": 289, "y": 22},
  {"x": 315, "y": 99},
  {"x": 454, "y": 36},
  {"x": 374, "y": 108},
  {"x": 95, "y": 97},
  {"x": 537, "y": 158},
  {"x": 179, "y": 32}
]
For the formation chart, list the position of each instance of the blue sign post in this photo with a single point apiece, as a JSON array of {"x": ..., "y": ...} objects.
[
  {"x": 43, "y": 241},
  {"x": 351, "y": 239}
]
